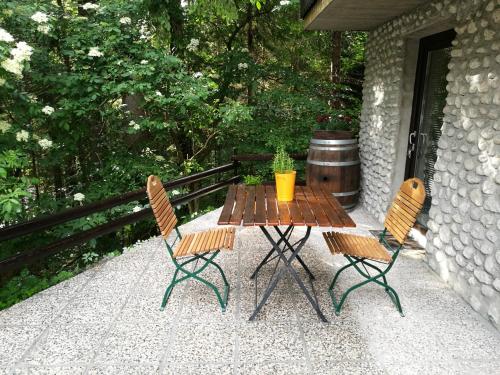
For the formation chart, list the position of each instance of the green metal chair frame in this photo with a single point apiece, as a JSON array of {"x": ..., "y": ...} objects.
[
  {"x": 180, "y": 267},
  {"x": 399, "y": 221},
  {"x": 353, "y": 262},
  {"x": 207, "y": 247}
]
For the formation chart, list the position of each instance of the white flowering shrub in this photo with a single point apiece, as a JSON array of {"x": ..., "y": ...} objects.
[
  {"x": 45, "y": 143},
  {"x": 79, "y": 197},
  {"x": 40, "y": 17},
  {"x": 125, "y": 20},
  {"x": 83, "y": 88},
  {"x": 193, "y": 45},
  {"x": 48, "y": 110},
  {"x": 5, "y": 36},
  {"x": 94, "y": 52}
]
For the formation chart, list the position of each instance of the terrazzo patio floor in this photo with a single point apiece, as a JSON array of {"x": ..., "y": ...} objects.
[{"x": 107, "y": 320}]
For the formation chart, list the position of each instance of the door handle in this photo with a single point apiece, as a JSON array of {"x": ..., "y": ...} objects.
[
  {"x": 424, "y": 138},
  {"x": 411, "y": 141},
  {"x": 413, "y": 134}
]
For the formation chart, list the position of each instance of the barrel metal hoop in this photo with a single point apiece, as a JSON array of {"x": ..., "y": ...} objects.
[
  {"x": 333, "y": 141},
  {"x": 334, "y": 163},
  {"x": 333, "y": 148},
  {"x": 346, "y": 193},
  {"x": 349, "y": 206}
]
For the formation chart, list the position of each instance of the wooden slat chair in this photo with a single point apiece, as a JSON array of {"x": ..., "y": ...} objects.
[
  {"x": 358, "y": 249},
  {"x": 192, "y": 247}
]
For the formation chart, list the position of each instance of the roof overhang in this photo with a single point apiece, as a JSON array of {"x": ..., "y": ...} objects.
[{"x": 359, "y": 15}]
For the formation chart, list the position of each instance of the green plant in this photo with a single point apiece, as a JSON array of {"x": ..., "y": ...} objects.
[
  {"x": 252, "y": 180},
  {"x": 90, "y": 257},
  {"x": 97, "y": 99},
  {"x": 26, "y": 284},
  {"x": 282, "y": 162}
]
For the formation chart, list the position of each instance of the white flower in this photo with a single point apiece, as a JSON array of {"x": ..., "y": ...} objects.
[
  {"x": 40, "y": 17},
  {"x": 5, "y": 36},
  {"x": 22, "y": 136},
  {"x": 4, "y": 126},
  {"x": 45, "y": 143},
  {"x": 244, "y": 50},
  {"x": 144, "y": 31},
  {"x": 44, "y": 29},
  {"x": 134, "y": 125},
  {"x": 125, "y": 21},
  {"x": 13, "y": 66},
  {"x": 193, "y": 45},
  {"x": 137, "y": 209},
  {"x": 242, "y": 66},
  {"x": 48, "y": 110},
  {"x": 94, "y": 52},
  {"x": 88, "y": 6},
  {"x": 159, "y": 158},
  {"x": 117, "y": 103},
  {"x": 284, "y": 2},
  {"x": 197, "y": 75},
  {"x": 158, "y": 93},
  {"x": 22, "y": 52},
  {"x": 144, "y": 62},
  {"x": 79, "y": 197}
]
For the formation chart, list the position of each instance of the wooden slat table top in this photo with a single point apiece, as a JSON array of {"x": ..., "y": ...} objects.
[{"x": 257, "y": 205}]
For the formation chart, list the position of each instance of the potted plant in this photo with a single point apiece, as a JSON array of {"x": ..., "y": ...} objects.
[{"x": 284, "y": 174}]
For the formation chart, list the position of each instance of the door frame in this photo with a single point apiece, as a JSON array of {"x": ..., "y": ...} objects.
[{"x": 430, "y": 43}]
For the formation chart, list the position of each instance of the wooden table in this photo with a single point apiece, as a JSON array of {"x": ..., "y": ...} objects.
[{"x": 257, "y": 206}]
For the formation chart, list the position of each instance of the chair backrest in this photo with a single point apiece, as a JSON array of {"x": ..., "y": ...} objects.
[
  {"x": 162, "y": 209},
  {"x": 405, "y": 208}
]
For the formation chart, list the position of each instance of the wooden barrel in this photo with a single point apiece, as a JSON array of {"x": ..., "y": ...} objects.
[{"x": 333, "y": 164}]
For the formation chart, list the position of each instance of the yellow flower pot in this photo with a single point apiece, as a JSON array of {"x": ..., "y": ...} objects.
[{"x": 285, "y": 186}]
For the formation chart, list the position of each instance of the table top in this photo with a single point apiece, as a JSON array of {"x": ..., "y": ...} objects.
[{"x": 257, "y": 205}]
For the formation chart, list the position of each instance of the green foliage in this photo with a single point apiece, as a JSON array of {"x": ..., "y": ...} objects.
[
  {"x": 90, "y": 257},
  {"x": 252, "y": 180},
  {"x": 26, "y": 284},
  {"x": 107, "y": 96},
  {"x": 282, "y": 162}
]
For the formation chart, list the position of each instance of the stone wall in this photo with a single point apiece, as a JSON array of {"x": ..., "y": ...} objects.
[{"x": 463, "y": 241}]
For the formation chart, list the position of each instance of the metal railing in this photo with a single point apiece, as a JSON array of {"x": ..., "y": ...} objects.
[
  {"x": 264, "y": 157},
  {"x": 25, "y": 258}
]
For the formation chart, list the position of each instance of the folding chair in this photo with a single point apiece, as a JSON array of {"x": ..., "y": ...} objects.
[
  {"x": 358, "y": 249},
  {"x": 192, "y": 247}
]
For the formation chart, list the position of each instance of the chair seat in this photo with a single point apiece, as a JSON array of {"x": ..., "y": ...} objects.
[
  {"x": 205, "y": 242},
  {"x": 357, "y": 246}
]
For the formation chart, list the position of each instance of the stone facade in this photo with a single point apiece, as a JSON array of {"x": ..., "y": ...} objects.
[{"x": 463, "y": 241}]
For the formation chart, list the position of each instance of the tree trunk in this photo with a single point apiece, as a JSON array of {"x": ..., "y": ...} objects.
[
  {"x": 176, "y": 19},
  {"x": 336, "y": 39},
  {"x": 35, "y": 174},
  {"x": 250, "y": 46},
  {"x": 335, "y": 63},
  {"x": 58, "y": 181}
]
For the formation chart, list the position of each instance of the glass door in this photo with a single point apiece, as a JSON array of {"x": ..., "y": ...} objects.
[{"x": 427, "y": 116}]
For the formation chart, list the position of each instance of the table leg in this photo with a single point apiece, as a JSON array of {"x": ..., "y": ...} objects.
[
  {"x": 287, "y": 266},
  {"x": 264, "y": 261},
  {"x": 299, "y": 259}
]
